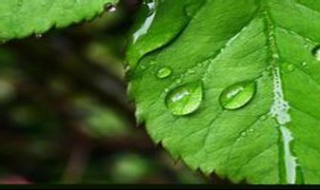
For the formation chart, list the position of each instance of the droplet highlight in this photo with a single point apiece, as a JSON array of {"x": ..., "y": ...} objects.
[
  {"x": 147, "y": 23},
  {"x": 238, "y": 95},
  {"x": 38, "y": 36},
  {"x": 110, "y": 7},
  {"x": 164, "y": 72},
  {"x": 185, "y": 99},
  {"x": 316, "y": 52}
]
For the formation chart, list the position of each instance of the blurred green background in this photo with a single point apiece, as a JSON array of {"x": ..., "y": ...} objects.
[{"x": 65, "y": 116}]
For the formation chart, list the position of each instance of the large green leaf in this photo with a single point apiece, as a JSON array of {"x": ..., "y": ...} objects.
[
  {"x": 232, "y": 86},
  {"x": 20, "y": 18}
]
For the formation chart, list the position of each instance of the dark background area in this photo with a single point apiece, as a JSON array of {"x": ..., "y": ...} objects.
[{"x": 64, "y": 113}]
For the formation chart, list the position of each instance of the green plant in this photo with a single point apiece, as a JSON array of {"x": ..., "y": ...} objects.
[{"x": 227, "y": 86}]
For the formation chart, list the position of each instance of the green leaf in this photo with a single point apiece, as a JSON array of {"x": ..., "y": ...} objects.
[
  {"x": 256, "y": 63},
  {"x": 20, "y": 18}
]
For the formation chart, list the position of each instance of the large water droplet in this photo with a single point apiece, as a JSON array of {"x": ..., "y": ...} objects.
[
  {"x": 316, "y": 52},
  {"x": 238, "y": 95},
  {"x": 184, "y": 99},
  {"x": 164, "y": 73}
]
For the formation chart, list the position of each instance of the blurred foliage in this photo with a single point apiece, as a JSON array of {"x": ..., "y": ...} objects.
[{"x": 65, "y": 116}]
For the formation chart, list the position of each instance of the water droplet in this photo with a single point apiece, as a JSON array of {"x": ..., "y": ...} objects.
[
  {"x": 316, "y": 52},
  {"x": 191, "y": 71},
  {"x": 291, "y": 67},
  {"x": 263, "y": 117},
  {"x": 110, "y": 7},
  {"x": 164, "y": 73},
  {"x": 153, "y": 62},
  {"x": 243, "y": 134},
  {"x": 178, "y": 80},
  {"x": 304, "y": 64},
  {"x": 238, "y": 95},
  {"x": 275, "y": 56},
  {"x": 38, "y": 35},
  {"x": 184, "y": 99},
  {"x": 251, "y": 130}
]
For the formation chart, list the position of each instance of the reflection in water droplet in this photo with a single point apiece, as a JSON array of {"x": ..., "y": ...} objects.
[
  {"x": 238, "y": 95},
  {"x": 316, "y": 52},
  {"x": 164, "y": 73},
  {"x": 184, "y": 99}
]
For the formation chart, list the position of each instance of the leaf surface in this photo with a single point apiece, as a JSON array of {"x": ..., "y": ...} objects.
[
  {"x": 242, "y": 95},
  {"x": 21, "y": 18}
]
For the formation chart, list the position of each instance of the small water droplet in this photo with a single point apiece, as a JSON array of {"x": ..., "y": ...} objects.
[
  {"x": 200, "y": 65},
  {"x": 251, "y": 130},
  {"x": 275, "y": 56},
  {"x": 184, "y": 99},
  {"x": 191, "y": 71},
  {"x": 291, "y": 67},
  {"x": 263, "y": 117},
  {"x": 243, "y": 134},
  {"x": 143, "y": 67},
  {"x": 152, "y": 62},
  {"x": 178, "y": 80},
  {"x": 164, "y": 73},
  {"x": 316, "y": 52},
  {"x": 304, "y": 64},
  {"x": 110, "y": 7},
  {"x": 38, "y": 36},
  {"x": 238, "y": 95}
]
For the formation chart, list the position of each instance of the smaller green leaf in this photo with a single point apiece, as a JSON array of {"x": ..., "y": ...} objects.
[{"x": 20, "y": 18}]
